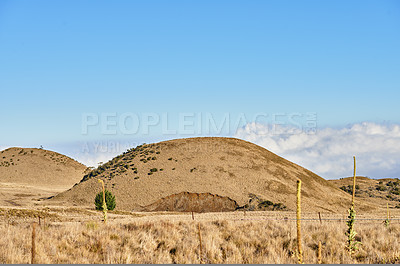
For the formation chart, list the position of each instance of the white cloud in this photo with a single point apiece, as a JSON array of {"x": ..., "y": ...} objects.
[
  {"x": 93, "y": 153},
  {"x": 93, "y": 159},
  {"x": 329, "y": 152}
]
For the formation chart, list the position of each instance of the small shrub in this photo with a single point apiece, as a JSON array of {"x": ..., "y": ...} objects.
[
  {"x": 381, "y": 188},
  {"x": 266, "y": 203},
  {"x": 278, "y": 207},
  {"x": 110, "y": 200}
]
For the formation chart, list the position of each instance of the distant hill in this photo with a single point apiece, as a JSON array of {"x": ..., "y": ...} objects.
[
  {"x": 232, "y": 171},
  {"x": 375, "y": 191},
  {"x": 39, "y": 167}
]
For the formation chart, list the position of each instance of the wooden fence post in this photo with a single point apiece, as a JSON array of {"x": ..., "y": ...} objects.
[
  {"x": 33, "y": 249},
  {"x": 201, "y": 246},
  {"x": 298, "y": 218}
]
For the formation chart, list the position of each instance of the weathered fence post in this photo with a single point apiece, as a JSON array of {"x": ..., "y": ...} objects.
[
  {"x": 201, "y": 246},
  {"x": 33, "y": 248},
  {"x": 298, "y": 218}
]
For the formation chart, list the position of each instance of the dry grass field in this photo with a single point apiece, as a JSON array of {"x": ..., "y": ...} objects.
[{"x": 75, "y": 235}]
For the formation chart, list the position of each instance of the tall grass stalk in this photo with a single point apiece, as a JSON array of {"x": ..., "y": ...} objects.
[
  {"x": 352, "y": 244},
  {"x": 387, "y": 221},
  {"x": 319, "y": 252}
]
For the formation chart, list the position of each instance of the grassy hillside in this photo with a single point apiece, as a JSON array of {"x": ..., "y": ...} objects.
[
  {"x": 39, "y": 167},
  {"x": 226, "y": 167},
  {"x": 376, "y": 191},
  {"x": 27, "y": 175}
]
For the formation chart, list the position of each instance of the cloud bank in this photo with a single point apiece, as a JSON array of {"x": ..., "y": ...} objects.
[
  {"x": 329, "y": 151},
  {"x": 94, "y": 152}
]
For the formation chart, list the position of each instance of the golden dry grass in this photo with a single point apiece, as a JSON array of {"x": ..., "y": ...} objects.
[{"x": 226, "y": 238}]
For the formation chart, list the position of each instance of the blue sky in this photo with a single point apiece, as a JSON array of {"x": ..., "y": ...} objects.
[{"x": 62, "y": 59}]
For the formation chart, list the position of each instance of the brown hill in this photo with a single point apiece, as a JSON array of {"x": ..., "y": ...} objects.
[
  {"x": 226, "y": 167},
  {"x": 38, "y": 167},
  {"x": 376, "y": 191}
]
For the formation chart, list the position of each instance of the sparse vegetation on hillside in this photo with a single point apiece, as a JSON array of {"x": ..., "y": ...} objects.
[
  {"x": 256, "y": 203},
  {"x": 374, "y": 191},
  {"x": 123, "y": 162},
  {"x": 349, "y": 189}
]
